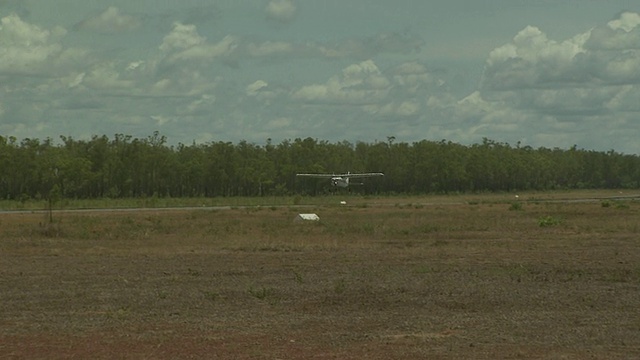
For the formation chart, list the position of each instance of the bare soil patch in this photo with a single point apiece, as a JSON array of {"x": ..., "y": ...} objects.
[{"x": 479, "y": 280}]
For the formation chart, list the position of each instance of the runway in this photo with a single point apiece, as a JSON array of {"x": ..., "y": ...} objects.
[{"x": 634, "y": 197}]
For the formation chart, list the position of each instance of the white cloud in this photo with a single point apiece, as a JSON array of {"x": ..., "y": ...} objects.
[
  {"x": 134, "y": 65},
  {"x": 408, "y": 108},
  {"x": 283, "y": 11},
  {"x": 623, "y": 68},
  {"x": 602, "y": 55},
  {"x": 207, "y": 83},
  {"x": 620, "y": 34},
  {"x": 533, "y": 60},
  {"x": 77, "y": 80},
  {"x": 279, "y": 123},
  {"x": 184, "y": 43},
  {"x": 26, "y": 48},
  {"x": 353, "y": 87},
  {"x": 414, "y": 77},
  {"x": 200, "y": 106},
  {"x": 253, "y": 88},
  {"x": 625, "y": 100},
  {"x": 160, "y": 120},
  {"x": 182, "y": 37},
  {"x": 591, "y": 81},
  {"x": 408, "y": 95},
  {"x": 110, "y": 21},
  {"x": 14, "y": 31},
  {"x": 106, "y": 76},
  {"x": 269, "y": 48},
  {"x": 627, "y": 21}
]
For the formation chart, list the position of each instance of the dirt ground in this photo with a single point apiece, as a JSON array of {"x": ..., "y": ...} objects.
[{"x": 481, "y": 281}]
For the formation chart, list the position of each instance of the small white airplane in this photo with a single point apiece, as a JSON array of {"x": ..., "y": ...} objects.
[{"x": 342, "y": 180}]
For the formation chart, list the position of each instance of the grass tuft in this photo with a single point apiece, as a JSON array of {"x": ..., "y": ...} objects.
[
  {"x": 548, "y": 220},
  {"x": 263, "y": 293},
  {"x": 516, "y": 206}
]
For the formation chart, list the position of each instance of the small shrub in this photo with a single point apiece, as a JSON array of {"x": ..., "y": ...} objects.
[
  {"x": 24, "y": 198},
  {"x": 440, "y": 242},
  {"x": 262, "y": 294},
  {"x": 427, "y": 228},
  {"x": 515, "y": 206},
  {"x": 546, "y": 221},
  {"x": 339, "y": 286},
  {"x": 51, "y": 230},
  {"x": 210, "y": 295},
  {"x": 621, "y": 205},
  {"x": 298, "y": 277}
]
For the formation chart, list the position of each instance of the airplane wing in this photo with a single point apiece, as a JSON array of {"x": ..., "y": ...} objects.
[
  {"x": 327, "y": 176},
  {"x": 349, "y": 175},
  {"x": 362, "y": 175}
]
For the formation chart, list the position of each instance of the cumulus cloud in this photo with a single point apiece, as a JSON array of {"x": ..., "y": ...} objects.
[
  {"x": 26, "y": 48},
  {"x": 283, "y": 11},
  {"x": 544, "y": 91},
  {"x": 620, "y": 34},
  {"x": 77, "y": 80},
  {"x": 408, "y": 95},
  {"x": 109, "y": 21},
  {"x": 360, "y": 49},
  {"x": 269, "y": 48},
  {"x": 182, "y": 37},
  {"x": 184, "y": 43},
  {"x": 627, "y": 21},
  {"x": 107, "y": 76},
  {"x": 366, "y": 48},
  {"x": 199, "y": 106},
  {"x": 255, "y": 87},
  {"x": 607, "y": 54},
  {"x": 181, "y": 83},
  {"x": 534, "y": 60},
  {"x": 541, "y": 85},
  {"x": 352, "y": 87}
]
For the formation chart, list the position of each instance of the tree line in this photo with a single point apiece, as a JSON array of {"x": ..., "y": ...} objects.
[{"x": 124, "y": 166}]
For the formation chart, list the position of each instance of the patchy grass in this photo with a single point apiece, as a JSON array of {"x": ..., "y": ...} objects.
[
  {"x": 435, "y": 279},
  {"x": 607, "y": 197}
]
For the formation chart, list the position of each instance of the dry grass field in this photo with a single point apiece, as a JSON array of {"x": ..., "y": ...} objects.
[{"x": 376, "y": 279}]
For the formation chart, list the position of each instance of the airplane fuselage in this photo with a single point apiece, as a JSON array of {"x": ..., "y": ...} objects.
[
  {"x": 342, "y": 180},
  {"x": 339, "y": 181}
]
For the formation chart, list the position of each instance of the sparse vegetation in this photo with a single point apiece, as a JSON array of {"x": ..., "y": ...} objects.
[
  {"x": 439, "y": 280},
  {"x": 548, "y": 220},
  {"x": 263, "y": 293},
  {"x": 516, "y": 206}
]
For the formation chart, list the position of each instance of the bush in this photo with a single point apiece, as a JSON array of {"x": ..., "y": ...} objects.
[
  {"x": 515, "y": 206},
  {"x": 548, "y": 220}
]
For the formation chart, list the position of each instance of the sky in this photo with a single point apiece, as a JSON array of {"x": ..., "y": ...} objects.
[{"x": 542, "y": 73}]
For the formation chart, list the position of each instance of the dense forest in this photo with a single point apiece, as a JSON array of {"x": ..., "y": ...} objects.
[{"x": 124, "y": 166}]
